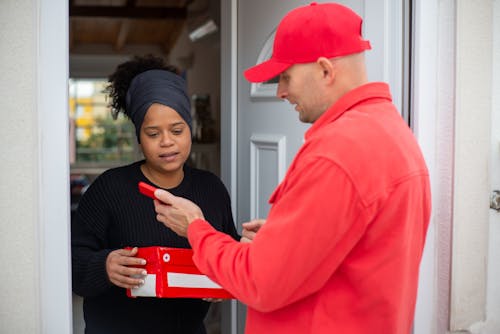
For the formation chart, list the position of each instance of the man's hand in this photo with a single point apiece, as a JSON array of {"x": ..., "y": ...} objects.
[
  {"x": 250, "y": 229},
  {"x": 175, "y": 212},
  {"x": 119, "y": 267}
]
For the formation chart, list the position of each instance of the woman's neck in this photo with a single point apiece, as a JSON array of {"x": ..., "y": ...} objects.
[{"x": 164, "y": 180}]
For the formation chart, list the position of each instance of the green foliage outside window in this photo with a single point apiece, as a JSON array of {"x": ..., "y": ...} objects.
[
  {"x": 97, "y": 138},
  {"x": 110, "y": 140}
]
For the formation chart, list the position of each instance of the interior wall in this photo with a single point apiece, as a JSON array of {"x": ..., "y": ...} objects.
[{"x": 201, "y": 61}]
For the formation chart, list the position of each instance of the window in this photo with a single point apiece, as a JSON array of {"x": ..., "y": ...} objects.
[{"x": 97, "y": 140}]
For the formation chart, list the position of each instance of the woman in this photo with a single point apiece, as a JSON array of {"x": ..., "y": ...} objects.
[{"x": 112, "y": 214}]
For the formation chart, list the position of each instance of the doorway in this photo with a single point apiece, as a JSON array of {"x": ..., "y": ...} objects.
[{"x": 186, "y": 33}]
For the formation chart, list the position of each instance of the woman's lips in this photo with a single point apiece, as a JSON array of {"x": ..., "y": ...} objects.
[{"x": 168, "y": 157}]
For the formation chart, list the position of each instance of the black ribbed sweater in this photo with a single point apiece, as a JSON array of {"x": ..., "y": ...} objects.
[{"x": 113, "y": 214}]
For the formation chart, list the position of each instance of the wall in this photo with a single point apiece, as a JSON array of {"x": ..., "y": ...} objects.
[
  {"x": 201, "y": 60},
  {"x": 456, "y": 60},
  {"x": 34, "y": 189},
  {"x": 492, "y": 325},
  {"x": 471, "y": 177},
  {"x": 18, "y": 200}
]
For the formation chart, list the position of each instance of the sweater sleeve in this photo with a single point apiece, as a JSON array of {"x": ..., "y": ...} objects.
[
  {"x": 88, "y": 246},
  {"x": 310, "y": 229}
]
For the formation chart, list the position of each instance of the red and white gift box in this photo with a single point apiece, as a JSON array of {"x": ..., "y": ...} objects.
[{"x": 171, "y": 273}]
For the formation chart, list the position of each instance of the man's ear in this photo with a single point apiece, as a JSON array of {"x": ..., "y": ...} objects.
[{"x": 327, "y": 68}]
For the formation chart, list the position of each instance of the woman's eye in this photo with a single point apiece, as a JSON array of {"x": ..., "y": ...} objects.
[
  {"x": 152, "y": 134},
  {"x": 177, "y": 131}
]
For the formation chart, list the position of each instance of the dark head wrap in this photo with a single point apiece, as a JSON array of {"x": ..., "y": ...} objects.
[{"x": 157, "y": 86}]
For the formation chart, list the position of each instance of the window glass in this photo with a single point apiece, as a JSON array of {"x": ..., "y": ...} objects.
[{"x": 96, "y": 138}]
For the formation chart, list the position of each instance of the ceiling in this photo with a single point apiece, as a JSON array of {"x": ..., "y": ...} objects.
[{"x": 115, "y": 27}]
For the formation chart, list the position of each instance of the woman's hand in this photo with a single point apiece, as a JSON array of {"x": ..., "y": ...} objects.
[{"x": 120, "y": 268}]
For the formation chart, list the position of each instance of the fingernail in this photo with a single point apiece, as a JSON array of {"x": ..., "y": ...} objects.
[
  {"x": 141, "y": 282},
  {"x": 144, "y": 273},
  {"x": 143, "y": 262}
]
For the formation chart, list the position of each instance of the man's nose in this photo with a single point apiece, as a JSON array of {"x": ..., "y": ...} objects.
[{"x": 281, "y": 92}]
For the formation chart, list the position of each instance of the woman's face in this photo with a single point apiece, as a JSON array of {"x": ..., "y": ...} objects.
[{"x": 165, "y": 139}]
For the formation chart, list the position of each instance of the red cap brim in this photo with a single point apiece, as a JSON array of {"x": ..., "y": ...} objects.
[{"x": 265, "y": 71}]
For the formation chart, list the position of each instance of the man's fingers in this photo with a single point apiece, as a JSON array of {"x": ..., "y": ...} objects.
[
  {"x": 254, "y": 225},
  {"x": 164, "y": 196},
  {"x": 244, "y": 239},
  {"x": 248, "y": 234}
]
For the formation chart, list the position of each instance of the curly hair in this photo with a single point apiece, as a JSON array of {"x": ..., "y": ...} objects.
[{"x": 120, "y": 79}]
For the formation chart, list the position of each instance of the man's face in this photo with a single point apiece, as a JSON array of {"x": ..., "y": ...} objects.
[{"x": 301, "y": 85}]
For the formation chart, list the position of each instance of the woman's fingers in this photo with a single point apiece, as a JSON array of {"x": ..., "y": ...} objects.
[{"x": 121, "y": 268}]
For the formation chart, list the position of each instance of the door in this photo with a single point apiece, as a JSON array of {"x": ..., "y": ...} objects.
[{"x": 269, "y": 132}]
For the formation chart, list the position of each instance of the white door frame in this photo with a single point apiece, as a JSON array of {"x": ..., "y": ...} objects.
[
  {"x": 229, "y": 93},
  {"x": 51, "y": 61}
]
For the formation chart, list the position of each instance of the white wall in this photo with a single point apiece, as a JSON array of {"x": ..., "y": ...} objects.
[
  {"x": 492, "y": 326},
  {"x": 34, "y": 189},
  {"x": 471, "y": 168},
  {"x": 454, "y": 100},
  {"x": 19, "y": 295},
  {"x": 201, "y": 59}
]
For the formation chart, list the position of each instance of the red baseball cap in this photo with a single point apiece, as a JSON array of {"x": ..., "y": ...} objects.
[{"x": 309, "y": 32}]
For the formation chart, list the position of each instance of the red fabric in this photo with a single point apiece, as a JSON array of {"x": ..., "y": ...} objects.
[{"x": 341, "y": 248}]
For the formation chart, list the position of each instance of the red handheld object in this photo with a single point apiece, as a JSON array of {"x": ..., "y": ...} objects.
[{"x": 147, "y": 190}]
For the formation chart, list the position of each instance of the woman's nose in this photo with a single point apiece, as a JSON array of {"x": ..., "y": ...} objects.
[{"x": 166, "y": 140}]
